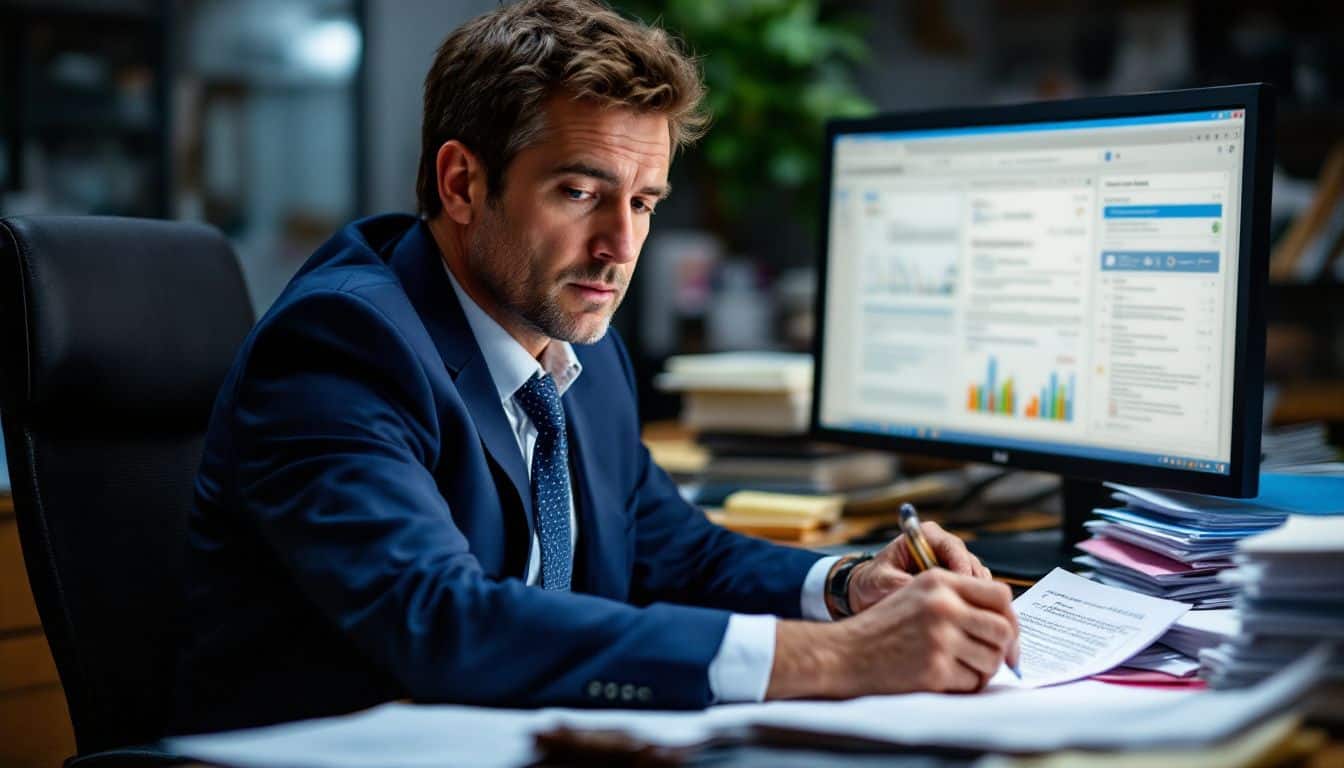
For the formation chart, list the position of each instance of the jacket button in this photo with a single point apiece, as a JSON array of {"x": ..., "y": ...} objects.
[
  {"x": 595, "y": 688},
  {"x": 627, "y": 692},
  {"x": 611, "y": 691},
  {"x": 644, "y": 693}
]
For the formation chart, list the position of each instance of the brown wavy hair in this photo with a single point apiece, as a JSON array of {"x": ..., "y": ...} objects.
[{"x": 493, "y": 75}]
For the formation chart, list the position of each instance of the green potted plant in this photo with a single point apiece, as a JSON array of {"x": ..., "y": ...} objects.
[{"x": 775, "y": 70}]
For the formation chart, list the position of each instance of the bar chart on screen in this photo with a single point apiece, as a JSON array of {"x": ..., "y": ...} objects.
[
  {"x": 998, "y": 392},
  {"x": 991, "y": 395},
  {"x": 1055, "y": 400}
]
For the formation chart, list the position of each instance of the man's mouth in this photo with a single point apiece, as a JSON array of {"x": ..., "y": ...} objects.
[{"x": 595, "y": 291}]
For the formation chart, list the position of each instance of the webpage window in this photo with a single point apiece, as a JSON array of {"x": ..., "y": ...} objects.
[{"x": 1068, "y": 286}]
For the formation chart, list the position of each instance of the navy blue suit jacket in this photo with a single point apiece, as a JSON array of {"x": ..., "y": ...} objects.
[{"x": 363, "y": 519}]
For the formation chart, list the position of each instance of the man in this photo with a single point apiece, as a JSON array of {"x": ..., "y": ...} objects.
[{"x": 423, "y": 476}]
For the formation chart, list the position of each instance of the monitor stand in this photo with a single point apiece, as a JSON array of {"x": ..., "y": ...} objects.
[{"x": 1032, "y": 554}]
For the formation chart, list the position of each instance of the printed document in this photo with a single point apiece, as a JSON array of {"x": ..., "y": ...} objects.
[{"x": 1071, "y": 628}]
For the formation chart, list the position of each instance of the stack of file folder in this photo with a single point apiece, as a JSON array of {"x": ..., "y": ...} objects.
[
  {"x": 1291, "y": 599},
  {"x": 1171, "y": 544}
]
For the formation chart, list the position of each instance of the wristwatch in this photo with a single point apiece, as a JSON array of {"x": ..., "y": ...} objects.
[{"x": 838, "y": 585}]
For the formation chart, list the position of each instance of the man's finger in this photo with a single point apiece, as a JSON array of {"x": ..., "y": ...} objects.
[
  {"x": 951, "y": 551},
  {"x": 965, "y": 679},
  {"x": 984, "y": 659},
  {"x": 991, "y": 629},
  {"x": 990, "y": 595}
]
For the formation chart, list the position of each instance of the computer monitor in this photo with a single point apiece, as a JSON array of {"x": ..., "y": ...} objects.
[{"x": 1070, "y": 286}]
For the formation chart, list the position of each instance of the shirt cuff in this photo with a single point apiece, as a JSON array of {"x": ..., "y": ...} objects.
[
  {"x": 814, "y": 589},
  {"x": 740, "y": 671}
]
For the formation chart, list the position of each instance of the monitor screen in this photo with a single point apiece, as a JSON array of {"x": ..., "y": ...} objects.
[{"x": 1059, "y": 287}]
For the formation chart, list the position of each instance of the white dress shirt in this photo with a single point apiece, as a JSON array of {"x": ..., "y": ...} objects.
[{"x": 740, "y": 670}]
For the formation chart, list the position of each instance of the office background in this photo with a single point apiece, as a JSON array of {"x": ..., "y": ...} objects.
[{"x": 279, "y": 120}]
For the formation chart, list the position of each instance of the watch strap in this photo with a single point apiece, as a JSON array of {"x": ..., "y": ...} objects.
[{"x": 837, "y": 587}]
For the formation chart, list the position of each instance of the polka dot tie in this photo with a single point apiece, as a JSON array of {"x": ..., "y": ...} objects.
[{"x": 550, "y": 477}]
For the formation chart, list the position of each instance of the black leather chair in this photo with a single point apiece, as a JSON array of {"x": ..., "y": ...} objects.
[{"x": 114, "y": 337}]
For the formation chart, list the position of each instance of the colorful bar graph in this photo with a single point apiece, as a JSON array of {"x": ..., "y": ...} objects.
[
  {"x": 992, "y": 396},
  {"x": 1055, "y": 401}
]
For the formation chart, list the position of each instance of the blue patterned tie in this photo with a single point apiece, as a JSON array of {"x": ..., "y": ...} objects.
[{"x": 550, "y": 477}]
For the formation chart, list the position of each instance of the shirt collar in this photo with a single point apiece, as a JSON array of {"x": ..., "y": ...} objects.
[{"x": 509, "y": 363}]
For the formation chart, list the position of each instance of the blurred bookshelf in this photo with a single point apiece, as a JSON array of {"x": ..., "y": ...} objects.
[
  {"x": 84, "y": 108},
  {"x": 244, "y": 114}
]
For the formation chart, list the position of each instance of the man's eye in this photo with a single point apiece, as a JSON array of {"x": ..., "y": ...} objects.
[
  {"x": 642, "y": 207},
  {"x": 574, "y": 193}
]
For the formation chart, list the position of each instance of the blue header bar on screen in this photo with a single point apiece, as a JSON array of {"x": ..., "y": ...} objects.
[
  {"x": 1180, "y": 211},
  {"x": 1064, "y": 125}
]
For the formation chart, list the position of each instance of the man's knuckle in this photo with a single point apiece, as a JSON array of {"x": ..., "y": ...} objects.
[
  {"x": 1003, "y": 630},
  {"x": 937, "y": 576},
  {"x": 937, "y": 670},
  {"x": 940, "y": 604}
]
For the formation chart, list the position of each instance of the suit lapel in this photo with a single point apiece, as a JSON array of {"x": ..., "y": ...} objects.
[{"x": 419, "y": 266}]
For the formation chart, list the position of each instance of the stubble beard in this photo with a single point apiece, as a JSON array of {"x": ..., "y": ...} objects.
[{"x": 513, "y": 276}]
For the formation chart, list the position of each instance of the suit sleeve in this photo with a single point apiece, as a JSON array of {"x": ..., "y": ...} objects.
[
  {"x": 337, "y": 434},
  {"x": 680, "y": 556}
]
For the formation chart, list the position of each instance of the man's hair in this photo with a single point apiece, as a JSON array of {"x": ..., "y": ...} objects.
[{"x": 492, "y": 77}]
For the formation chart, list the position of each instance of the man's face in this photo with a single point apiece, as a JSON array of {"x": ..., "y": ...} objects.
[{"x": 558, "y": 247}]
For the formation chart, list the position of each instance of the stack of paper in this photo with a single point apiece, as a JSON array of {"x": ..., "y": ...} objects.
[
  {"x": 1291, "y": 599},
  {"x": 1121, "y": 564},
  {"x": 1172, "y": 544},
  {"x": 1198, "y": 630},
  {"x": 1174, "y": 659},
  {"x": 1297, "y": 446},
  {"x": 1083, "y": 715}
]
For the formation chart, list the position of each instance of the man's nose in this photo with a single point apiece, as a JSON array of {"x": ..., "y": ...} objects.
[{"x": 615, "y": 239}]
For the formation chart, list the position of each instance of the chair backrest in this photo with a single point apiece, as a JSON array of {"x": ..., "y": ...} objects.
[{"x": 114, "y": 336}]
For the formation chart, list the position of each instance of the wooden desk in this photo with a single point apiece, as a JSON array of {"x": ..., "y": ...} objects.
[{"x": 34, "y": 720}]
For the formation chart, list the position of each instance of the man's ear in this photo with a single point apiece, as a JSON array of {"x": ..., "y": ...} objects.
[{"x": 461, "y": 181}]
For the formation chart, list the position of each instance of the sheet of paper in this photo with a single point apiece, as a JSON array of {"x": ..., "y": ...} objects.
[
  {"x": 1222, "y": 623},
  {"x": 1159, "y": 658},
  {"x": 1132, "y": 676},
  {"x": 1071, "y": 628},
  {"x": 1300, "y": 535}
]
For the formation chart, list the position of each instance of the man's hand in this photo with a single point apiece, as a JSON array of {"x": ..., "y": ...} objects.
[
  {"x": 893, "y": 567},
  {"x": 944, "y": 631}
]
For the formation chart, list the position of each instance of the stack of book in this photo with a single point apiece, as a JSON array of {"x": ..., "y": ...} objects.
[
  {"x": 761, "y": 393},
  {"x": 1290, "y": 600},
  {"x": 749, "y": 414},
  {"x": 788, "y": 465},
  {"x": 1171, "y": 544},
  {"x": 777, "y": 515}
]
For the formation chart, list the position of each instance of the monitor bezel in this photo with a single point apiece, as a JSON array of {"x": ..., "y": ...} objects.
[{"x": 1242, "y": 479}]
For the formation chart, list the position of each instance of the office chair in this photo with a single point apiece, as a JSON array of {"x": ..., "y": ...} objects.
[{"x": 114, "y": 336}]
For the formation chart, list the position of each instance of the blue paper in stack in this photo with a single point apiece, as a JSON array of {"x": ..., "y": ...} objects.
[{"x": 1201, "y": 532}]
